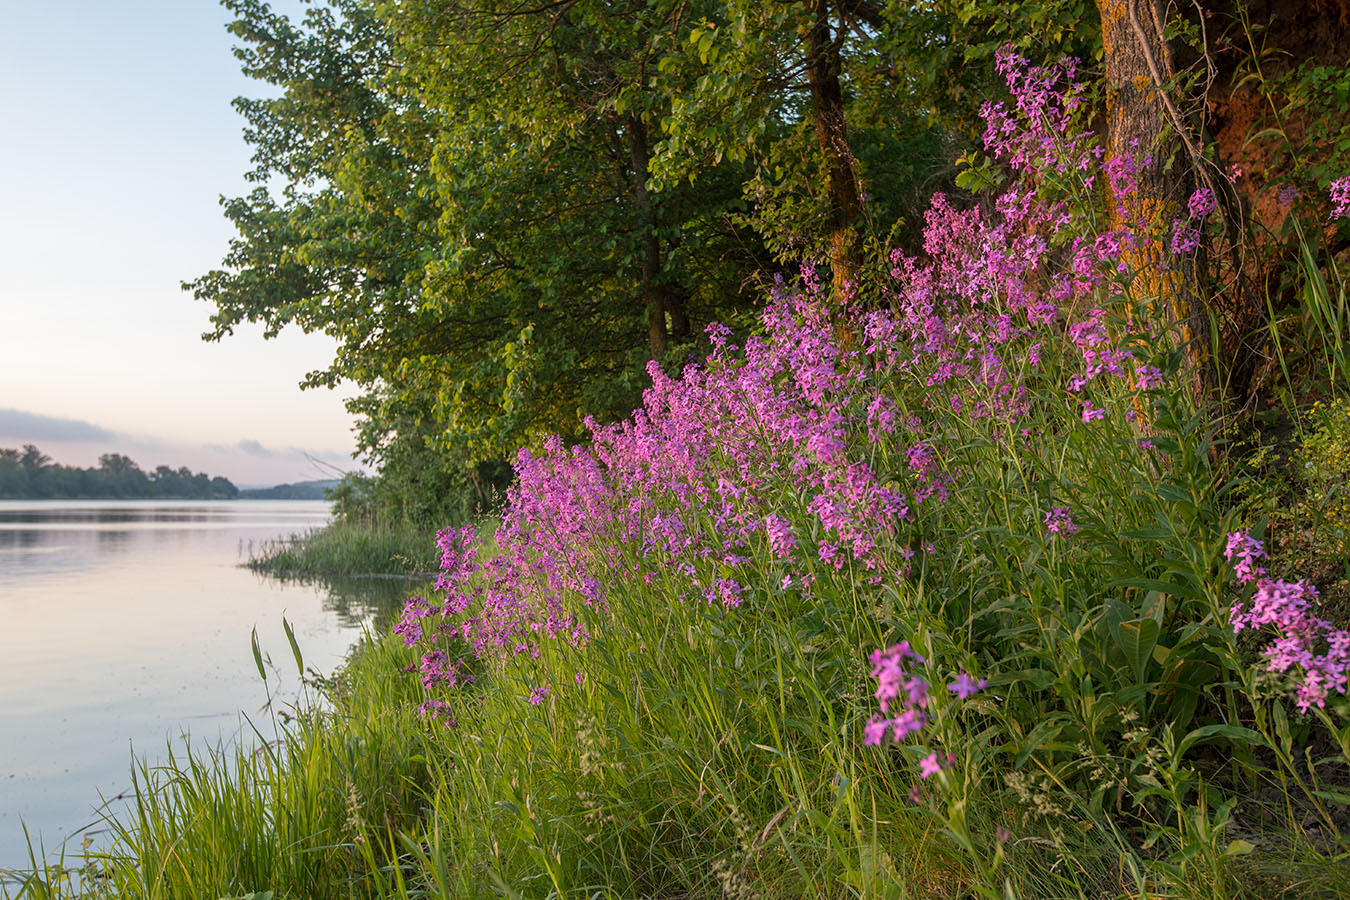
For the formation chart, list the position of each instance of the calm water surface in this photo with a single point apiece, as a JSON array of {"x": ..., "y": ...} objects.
[{"x": 124, "y": 628}]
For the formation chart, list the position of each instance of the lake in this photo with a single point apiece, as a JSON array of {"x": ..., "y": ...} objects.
[{"x": 125, "y": 626}]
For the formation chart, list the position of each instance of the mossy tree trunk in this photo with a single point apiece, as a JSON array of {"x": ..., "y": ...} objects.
[
  {"x": 823, "y": 63},
  {"x": 1141, "y": 127}
]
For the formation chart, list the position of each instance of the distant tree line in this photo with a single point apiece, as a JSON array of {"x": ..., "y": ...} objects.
[
  {"x": 29, "y": 474},
  {"x": 304, "y": 490}
]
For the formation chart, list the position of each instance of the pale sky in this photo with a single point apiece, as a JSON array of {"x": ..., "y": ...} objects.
[{"x": 116, "y": 139}]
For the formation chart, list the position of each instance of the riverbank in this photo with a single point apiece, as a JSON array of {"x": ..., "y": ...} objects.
[
  {"x": 973, "y": 590},
  {"x": 125, "y": 625}
]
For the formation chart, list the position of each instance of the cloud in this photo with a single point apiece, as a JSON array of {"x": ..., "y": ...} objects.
[
  {"x": 253, "y": 448},
  {"x": 295, "y": 454},
  {"x": 34, "y": 428}
]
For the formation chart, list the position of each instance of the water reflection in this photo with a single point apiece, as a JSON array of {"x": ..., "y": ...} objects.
[{"x": 125, "y": 625}]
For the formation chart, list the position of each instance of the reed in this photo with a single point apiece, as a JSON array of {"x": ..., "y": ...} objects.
[{"x": 348, "y": 549}]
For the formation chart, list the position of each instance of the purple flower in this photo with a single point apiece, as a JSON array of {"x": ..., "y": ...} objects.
[
  {"x": 909, "y": 722},
  {"x": 782, "y": 541},
  {"x": 1303, "y": 643},
  {"x": 1286, "y": 196},
  {"x": 965, "y": 687},
  {"x": 1146, "y": 377},
  {"x": 1089, "y": 414},
  {"x": 897, "y": 689},
  {"x": 874, "y": 732},
  {"x": 1185, "y": 239},
  {"x": 537, "y": 694},
  {"x": 1202, "y": 203},
  {"x": 1058, "y": 521},
  {"x": 929, "y": 766},
  {"x": 1243, "y": 551}
]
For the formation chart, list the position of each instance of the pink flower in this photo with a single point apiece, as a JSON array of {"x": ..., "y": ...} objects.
[
  {"x": 1303, "y": 643},
  {"x": 1245, "y": 549},
  {"x": 929, "y": 766},
  {"x": 1185, "y": 238},
  {"x": 1340, "y": 197},
  {"x": 1147, "y": 377},
  {"x": 898, "y": 688},
  {"x": 781, "y": 538}
]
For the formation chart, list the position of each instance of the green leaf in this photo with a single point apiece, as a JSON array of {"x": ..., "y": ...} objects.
[
  {"x": 295, "y": 647},
  {"x": 257, "y": 654},
  {"x": 1136, "y": 640},
  {"x": 1340, "y": 797},
  {"x": 1235, "y": 733}
]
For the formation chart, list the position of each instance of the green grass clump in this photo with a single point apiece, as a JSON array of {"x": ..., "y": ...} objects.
[
  {"x": 345, "y": 549},
  {"x": 313, "y": 814}
]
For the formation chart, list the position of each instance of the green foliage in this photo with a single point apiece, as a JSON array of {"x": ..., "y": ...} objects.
[
  {"x": 464, "y": 208},
  {"x": 302, "y": 490},
  {"x": 426, "y": 479},
  {"x": 311, "y": 815},
  {"x": 1325, "y": 472},
  {"x": 943, "y": 50},
  {"x": 501, "y": 214}
]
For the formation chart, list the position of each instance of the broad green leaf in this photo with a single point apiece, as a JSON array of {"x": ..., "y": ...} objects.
[
  {"x": 1136, "y": 640},
  {"x": 295, "y": 647},
  {"x": 1235, "y": 733}
]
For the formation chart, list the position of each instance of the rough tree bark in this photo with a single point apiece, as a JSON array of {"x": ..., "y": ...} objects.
[
  {"x": 653, "y": 291},
  {"x": 841, "y": 184}
]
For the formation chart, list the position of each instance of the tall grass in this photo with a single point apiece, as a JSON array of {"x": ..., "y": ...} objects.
[
  {"x": 347, "y": 549},
  {"x": 311, "y": 814}
]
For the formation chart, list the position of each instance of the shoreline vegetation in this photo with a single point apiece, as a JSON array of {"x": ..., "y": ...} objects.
[{"x": 349, "y": 549}]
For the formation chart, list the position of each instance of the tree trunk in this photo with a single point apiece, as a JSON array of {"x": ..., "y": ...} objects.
[
  {"x": 653, "y": 291},
  {"x": 841, "y": 184},
  {"x": 677, "y": 306},
  {"x": 1140, "y": 126}
]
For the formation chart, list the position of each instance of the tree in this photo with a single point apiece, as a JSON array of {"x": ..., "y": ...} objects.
[
  {"x": 769, "y": 72},
  {"x": 465, "y": 209},
  {"x": 13, "y": 477}
]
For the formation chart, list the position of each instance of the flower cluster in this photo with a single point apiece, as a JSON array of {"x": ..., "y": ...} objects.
[
  {"x": 1340, "y": 197},
  {"x": 902, "y": 695},
  {"x": 1059, "y": 521},
  {"x": 904, "y": 700},
  {"x": 1303, "y": 642},
  {"x": 685, "y": 494}
]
